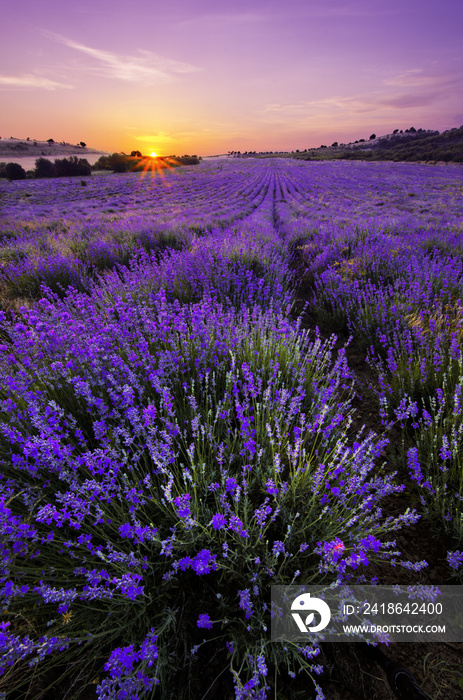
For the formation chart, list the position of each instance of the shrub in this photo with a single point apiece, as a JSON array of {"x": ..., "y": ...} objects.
[
  {"x": 188, "y": 160},
  {"x": 44, "y": 168},
  {"x": 62, "y": 167},
  {"x": 158, "y": 500},
  {"x": 120, "y": 163},
  {"x": 72, "y": 167},
  {"x": 15, "y": 171}
]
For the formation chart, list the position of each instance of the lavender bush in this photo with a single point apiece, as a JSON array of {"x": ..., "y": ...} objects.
[{"x": 205, "y": 442}]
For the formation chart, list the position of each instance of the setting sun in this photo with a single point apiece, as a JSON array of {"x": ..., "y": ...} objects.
[{"x": 153, "y": 154}]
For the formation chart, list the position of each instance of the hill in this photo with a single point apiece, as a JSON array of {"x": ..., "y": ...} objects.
[
  {"x": 15, "y": 148},
  {"x": 409, "y": 145}
]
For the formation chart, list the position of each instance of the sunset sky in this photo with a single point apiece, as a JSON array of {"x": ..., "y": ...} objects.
[{"x": 209, "y": 76}]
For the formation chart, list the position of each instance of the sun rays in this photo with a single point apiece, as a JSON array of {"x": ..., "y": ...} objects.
[{"x": 152, "y": 164}]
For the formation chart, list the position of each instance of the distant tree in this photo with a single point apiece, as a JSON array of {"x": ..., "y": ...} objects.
[
  {"x": 28, "y": 139},
  {"x": 102, "y": 163},
  {"x": 412, "y": 130},
  {"x": 136, "y": 154},
  {"x": 44, "y": 168},
  {"x": 373, "y": 136},
  {"x": 189, "y": 160},
  {"x": 334, "y": 144},
  {"x": 71, "y": 167},
  {"x": 120, "y": 163},
  {"x": 50, "y": 141},
  {"x": 396, "y": 131},
  {"x": 117, "y": 162},
  {"x": 14, "y": 171},
  {"x": 83, "y": 144}
]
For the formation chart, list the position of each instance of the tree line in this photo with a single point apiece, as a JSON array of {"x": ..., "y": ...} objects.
[
  {"x": 79, "y": 167},
  {"x": 136, "y": 162},
  {"x": 61, "y": 167},
  {"x": 409, "y": 145}
]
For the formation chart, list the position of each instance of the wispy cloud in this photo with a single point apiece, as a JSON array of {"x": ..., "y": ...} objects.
[
  {"x": 174, "y": 135},
  {"x": 145, "y": 67},
  {"x": 356, "y": 10},
  {"x": 226, "y": 19},
  {"x": 342, "y": 11},
  {"x": 30, "y": 81},
  {"x": 335, "y": 103},
  {"x": 154, "y": 138},
  {"x": 417, "y": 99},
  {"x": 410, "y": 89},
  {"x": 418, "y": 78}
]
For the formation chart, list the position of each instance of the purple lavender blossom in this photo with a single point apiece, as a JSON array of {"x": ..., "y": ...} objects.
[
  {"x": 204, "y": 621},
  {"x": 218, "y": 521},
  {"x": 455, "y": 559}
]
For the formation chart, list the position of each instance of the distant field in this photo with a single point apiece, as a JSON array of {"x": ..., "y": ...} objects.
[{"x": 220, "y": 378}]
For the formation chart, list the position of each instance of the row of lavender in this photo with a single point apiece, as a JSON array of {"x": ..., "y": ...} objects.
[
  {"x": 396, "y": 285},
  {"x": 172, "y": 444},
  {"x": 63, "y": 234}
]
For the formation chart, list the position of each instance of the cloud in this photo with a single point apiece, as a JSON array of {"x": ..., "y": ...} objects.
[
  {"x": 416, "y": 90},
  {"x": 354, "y": 10},
  {"x": 175, "y": 135},
  {"x": 31, "y": 81},
  {"x": 226, "y": 19},
  {"x": 146, "y": 67},
  {"x": 315, "y": 107},
  {"x": 417, "y": 78},
  {"x": 411, "y": 78},
  {"x": 409, "y": 101},
  {"x": 274, "y": 13},
  {"x": 286, "y": 107},
  {"x": 149, "y": 138}
]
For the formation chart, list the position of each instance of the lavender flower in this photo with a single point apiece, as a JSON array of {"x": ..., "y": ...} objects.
[{"x": 204, "y": 621}]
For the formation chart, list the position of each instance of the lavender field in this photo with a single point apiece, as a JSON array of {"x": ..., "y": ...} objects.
[{"x": 181, "y": 425}]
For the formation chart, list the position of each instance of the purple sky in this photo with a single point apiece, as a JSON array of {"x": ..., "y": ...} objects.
[{"x": 208, "y": 76}]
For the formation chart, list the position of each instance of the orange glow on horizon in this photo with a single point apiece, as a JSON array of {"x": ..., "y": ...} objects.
[{"x": 154, "y": 165}]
